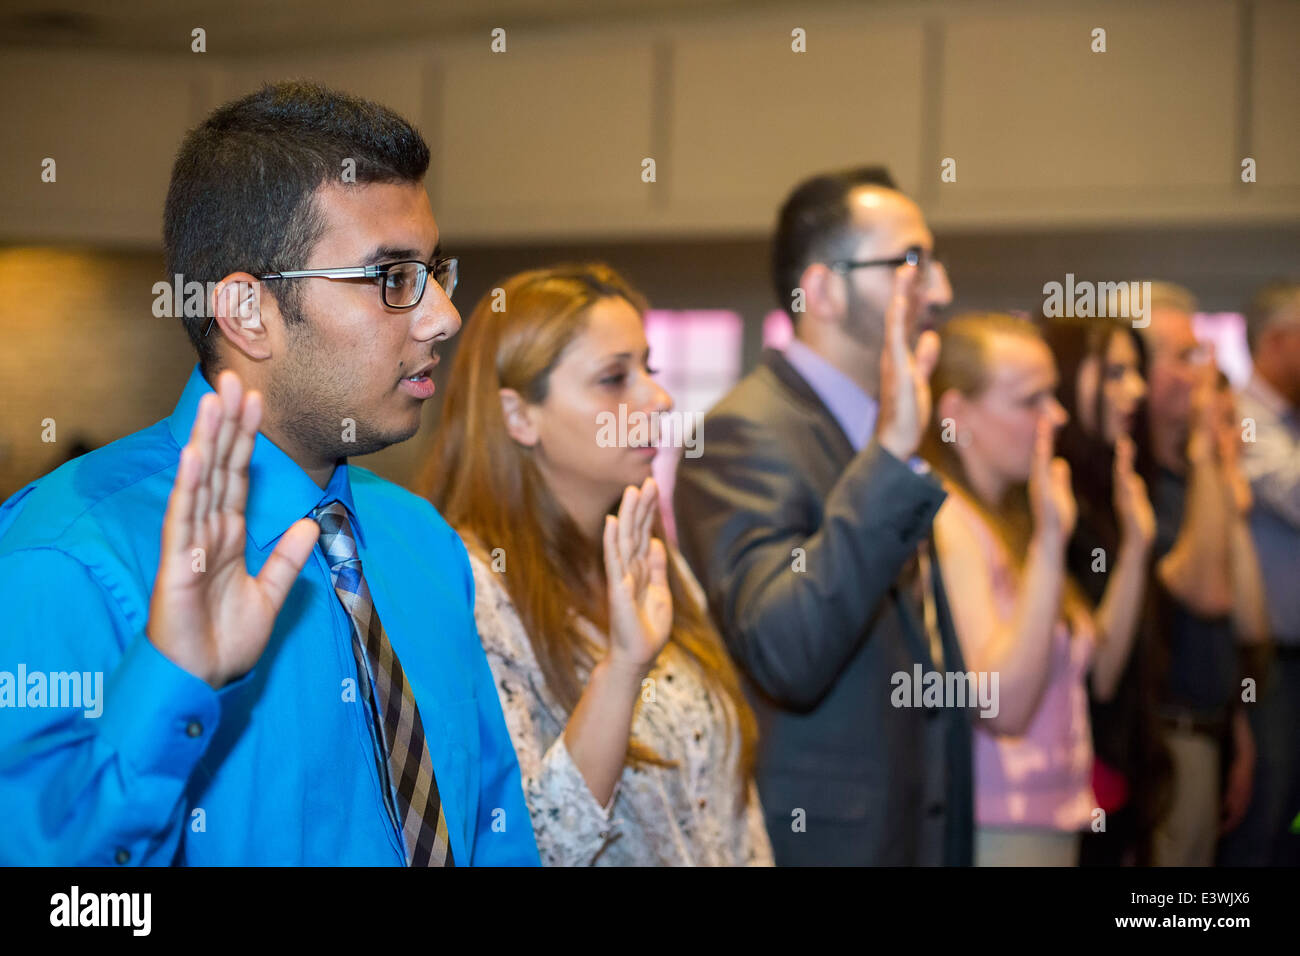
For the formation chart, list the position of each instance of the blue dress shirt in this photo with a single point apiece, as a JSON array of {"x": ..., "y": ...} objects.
[{"x": 278, "y": 766}]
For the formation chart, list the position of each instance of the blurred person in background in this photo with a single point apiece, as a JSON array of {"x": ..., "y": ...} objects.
[
  {"x": 807, "y": 519},
  {"x": 1208, "y": 585},
  {"x": 1002, "y": 536},
  {"x": 634, "y": 739},
  {"x": 1102, "y": 387},
  {"x": 1270, "y": 406}
]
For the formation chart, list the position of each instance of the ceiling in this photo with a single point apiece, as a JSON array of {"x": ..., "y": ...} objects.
[{"x": 237, "y": 27}]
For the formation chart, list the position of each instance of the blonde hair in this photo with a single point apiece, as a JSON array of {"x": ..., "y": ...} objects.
[
  {"x": 965, "y": 365},
  {"x": 1167, "y": 295}
]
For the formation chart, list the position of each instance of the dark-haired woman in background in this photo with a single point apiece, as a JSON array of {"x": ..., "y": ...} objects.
[
  {"x": 1102, "y": 385},
  {"x": 635, "y": 742}
]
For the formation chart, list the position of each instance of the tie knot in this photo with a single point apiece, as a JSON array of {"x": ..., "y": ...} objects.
[{"x": 335, "y": 533}]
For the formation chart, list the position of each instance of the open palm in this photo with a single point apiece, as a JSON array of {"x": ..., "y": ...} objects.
[
  {"x": 207, "y": 613},
  {"x": 636, "y": 569}
]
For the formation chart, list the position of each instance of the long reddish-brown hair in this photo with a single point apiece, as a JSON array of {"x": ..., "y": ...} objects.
[{"x": 490, "y": 489}]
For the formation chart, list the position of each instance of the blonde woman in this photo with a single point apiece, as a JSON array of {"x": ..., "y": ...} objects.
[
  {"x": 1001, "y": 537},
  {"x": 635, "y": 743}
]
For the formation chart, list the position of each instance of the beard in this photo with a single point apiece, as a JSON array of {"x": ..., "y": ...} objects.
[
  {"x": 863, "y": 322},
  {"x": 329, "y": 425},
  {"x": 317, "y": 406}
]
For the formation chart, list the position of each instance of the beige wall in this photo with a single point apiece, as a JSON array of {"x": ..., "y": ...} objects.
[
  {"x": 1112, "y": 165},
  {"x": 545, "y": 141}
]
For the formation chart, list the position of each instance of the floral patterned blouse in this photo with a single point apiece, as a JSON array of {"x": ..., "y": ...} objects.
[{"x": 658, "y": 816}]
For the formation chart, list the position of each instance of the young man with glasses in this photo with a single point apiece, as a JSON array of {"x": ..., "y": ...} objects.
[
  {"x": 286, "y": 642},
  {"x": 807, "y": 519}
]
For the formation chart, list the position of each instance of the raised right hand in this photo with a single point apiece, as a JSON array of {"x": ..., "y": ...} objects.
[
  {"x": 1203, "y": 412},
  {"x": 1227, "y": 441},
  {"x": 215, "y": 622},
  {"x": 1137, "y": 519},
  {"x": 1050, "y": 494},
  {"x": 905, "y": 377},
  {"x": 636, "y": 569}
]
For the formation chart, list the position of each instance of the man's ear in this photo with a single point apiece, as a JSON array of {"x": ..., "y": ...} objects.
[
  {"x": 823, "y": 291},
  {"x": 238, "y": 310},
  {"x": 519, "y": 423}
]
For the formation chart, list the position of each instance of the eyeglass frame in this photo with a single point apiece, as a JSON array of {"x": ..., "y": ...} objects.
[
  {"x": 914, "y": 256},
  {"x": 371, "y": 272}
]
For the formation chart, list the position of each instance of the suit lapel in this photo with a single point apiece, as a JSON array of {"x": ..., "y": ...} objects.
[
  {"x": 799, "y": 391},
  {"x": 832, "y": 436},
  {"x": 828, "y": 431}
]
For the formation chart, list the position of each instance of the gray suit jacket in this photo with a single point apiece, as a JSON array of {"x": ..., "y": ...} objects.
[{"x": 876, "y": 784}]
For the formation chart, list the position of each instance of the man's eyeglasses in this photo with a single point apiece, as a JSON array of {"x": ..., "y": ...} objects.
[
  {"x": 915, "y": 256},
  {"x": 401, "y": 284}
]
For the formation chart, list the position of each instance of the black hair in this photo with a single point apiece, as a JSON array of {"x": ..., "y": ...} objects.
[
  {"x": 1091, "y": 458},
  {"x": 814, "y": 222},
  {"x": 242, "y": 192}
]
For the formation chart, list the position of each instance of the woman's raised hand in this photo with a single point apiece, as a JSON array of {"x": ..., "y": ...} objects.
[
  {"x": 1137, "y": 519},
  {"x": 1050, "y": 494},
  {"x": 636, "y": 569}
]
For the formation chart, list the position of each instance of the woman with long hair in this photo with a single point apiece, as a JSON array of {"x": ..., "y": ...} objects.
[
  {"x": 635, "y": 742},
  {"x": 1102, "y": 386},
  {"x": 1001, "y": 537}
]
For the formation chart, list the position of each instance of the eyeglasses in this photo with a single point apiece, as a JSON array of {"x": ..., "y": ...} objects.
[
  {"x": 401, "y": 283},
  {"x": 915, "y": 256}
]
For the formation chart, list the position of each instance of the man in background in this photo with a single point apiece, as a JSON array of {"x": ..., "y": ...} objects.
[
  {"x": 810, "y": 532},
  {"x": 1270, "y": 406},
  {"x": 1208, "y": 590}
]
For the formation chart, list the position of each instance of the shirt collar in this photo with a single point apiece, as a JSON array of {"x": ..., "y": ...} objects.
[
  {"x": 279, "y": 491},
  {"x": 853, "y": 409}
]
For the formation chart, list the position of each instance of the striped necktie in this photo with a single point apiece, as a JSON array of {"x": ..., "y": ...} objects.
[{"x": 399, "y": 735}]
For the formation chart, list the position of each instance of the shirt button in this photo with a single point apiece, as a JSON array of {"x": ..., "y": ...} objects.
[
  {"x": 122, "y": 856},
  {"x": 194, "y": 729},
  {"x": 934, "y": 810},
  {"x": 703, "y": 803}
]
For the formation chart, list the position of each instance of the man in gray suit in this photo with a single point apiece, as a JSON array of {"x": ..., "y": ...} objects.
[{"x": 807, "y": 519}]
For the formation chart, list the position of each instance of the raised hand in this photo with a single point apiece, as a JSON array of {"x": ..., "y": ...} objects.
[
  {"x": 1050, "y": 494},
  {"x": 1203, "y": 413},
  {"x": 1227, "y": 440},
  {"x": 904, "y": 377},
  {"x": 1137, "y": 519},
  {"x": 215, "y": 622},
  {"x": 636, "y": 569}
]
